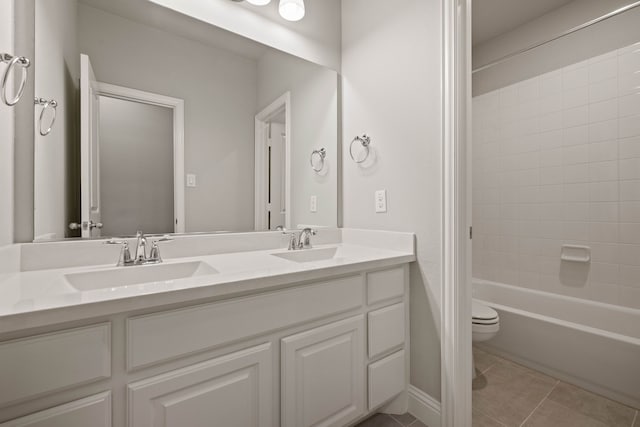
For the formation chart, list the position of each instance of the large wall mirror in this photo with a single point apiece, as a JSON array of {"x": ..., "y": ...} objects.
[{"x": 170, "y": 125}]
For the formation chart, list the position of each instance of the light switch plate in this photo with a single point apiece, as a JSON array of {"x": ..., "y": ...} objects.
[
  {"x": 313, "y": 204},
  {"x": 191, "y": 180},
  {"x": 381, "y": 201}
]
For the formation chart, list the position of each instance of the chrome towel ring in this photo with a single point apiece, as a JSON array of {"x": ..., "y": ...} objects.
[
  {"x": 318, "y": 156},
  {"x": 13, "y": 61},
  {"x": 364, "y": 140},
  {"x": 53, "y": 104}
]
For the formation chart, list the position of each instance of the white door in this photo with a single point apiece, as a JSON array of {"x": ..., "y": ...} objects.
[
  {"x": 276, "y": 206},
  {"x": 89, "y": 150},
  {"x": 322, "y": 375},
  {"x": 231, "y": 391}
]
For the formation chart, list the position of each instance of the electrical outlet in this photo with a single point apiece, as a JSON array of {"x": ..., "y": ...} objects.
[
  {"x": 381, "y": 201},
  {"x": 313, "y": 204},
  {"x": 191, "y": 180}
]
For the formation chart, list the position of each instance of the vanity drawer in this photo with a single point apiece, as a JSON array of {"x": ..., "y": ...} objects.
[
  {"x": 385, "y": 285},
  {"x": 167, "y": 335},
  {"x": 45, "y": 363},
  {"x": 386, "y": 329},
  {"x": 386, "y": 378},
  {"x": 94, "y": 411}
]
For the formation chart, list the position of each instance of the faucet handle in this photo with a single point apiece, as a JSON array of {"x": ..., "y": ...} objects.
[
  {"x": 154, "y": 255},
  {"x": 125, "y": 253}
]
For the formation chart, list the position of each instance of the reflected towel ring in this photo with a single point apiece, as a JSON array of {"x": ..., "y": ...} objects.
[
  {"x": 364, "y": 140},
  {"x": 320, "y": 155},
  {"x": 11, "y": 62},
  {"x": 46, "y": 104}
]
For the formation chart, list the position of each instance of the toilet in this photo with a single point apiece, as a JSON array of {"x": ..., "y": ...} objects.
[{"x": 485, "y": 324}]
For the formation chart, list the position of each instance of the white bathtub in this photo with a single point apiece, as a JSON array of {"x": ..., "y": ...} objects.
[{"x": 593, "y": 345}]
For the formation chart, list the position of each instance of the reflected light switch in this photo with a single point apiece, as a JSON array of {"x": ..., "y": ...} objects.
[{"x": 191, "y": 180}]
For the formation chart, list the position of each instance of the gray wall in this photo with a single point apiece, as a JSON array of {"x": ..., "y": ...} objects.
[
  {"x": 57, "y": 53},
  {"x": 596, "y": 40},
  {"x": 391, "y": 63},
  {"x": 6, "y": 135},
  {"x": 136, "y": 168},
  {"x": 314, "y": 116},
  {"x": 219, "y": 90}
]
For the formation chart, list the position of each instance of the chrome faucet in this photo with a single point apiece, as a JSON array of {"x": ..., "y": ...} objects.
[
  {"x": 301, "y": 240},
  {"x": 140, "y": 257}
]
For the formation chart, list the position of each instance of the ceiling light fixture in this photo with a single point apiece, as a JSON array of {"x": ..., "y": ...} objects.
[
  {"x": 259, "y": 2},
  {"x": 291, "y": 10}
]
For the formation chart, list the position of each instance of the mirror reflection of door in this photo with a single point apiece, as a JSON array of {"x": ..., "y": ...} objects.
[
  {"x": 136, "y": 167},
  {"x": 276, "y": 171}
]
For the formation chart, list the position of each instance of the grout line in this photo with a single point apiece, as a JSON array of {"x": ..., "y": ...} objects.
[{"x": 541, "y": 402}]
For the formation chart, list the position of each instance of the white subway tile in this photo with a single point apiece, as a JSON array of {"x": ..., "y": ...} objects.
[
  {"x": 605, "y": 232},
  {"x": 630, "y": 190},
  {"x": 603, "y": 111},
  {"x": 603, "y": 191},
  {"x": 575, "y": 154},
  {"x": 550, "y": 140},
  {"x": 630, "y": 211},
  {"x": 603, "y": 211},
  {"x": 628, "y": 83},
  {"x": 603, "y": 69},
  {"x": 575, "y": 135},
  {"x": 577, "y": 116},
  {"x": 528, "y": 90},
  {"x": 574, "y": 77},
  {"x": 551, "y": 83},
  {"x": 603, "y": 151},
  {"x": 629, "y": 105},
  {"x": 576, "y": 193},
  {"x": 603, "y": 90},
  {"x": 550, "y": 121},
  {"x": 609, "y": 55},
  {"x": 630, "y": 169},
  {"x": 551, "y": 157},
  {"x": 552, "y": 175},
  {"x": 629, "y": 126},
  {"x": 576, "y": 97},
  {"x": 603, "y": 171},
  {"x": 576, "y": 173},
  {"x": 603, "y": 131},
  {"x": 575, "y": 231},
  {"x": 605, "y": 252},
  {"x": 629, "y": 254},
  {"x": 508, "y": 97},
  {"x": 630, "y": 275},
  {"x": 551, "y": 193},
  {"x": 576, "y": 211},
  {"x": 635, "y": 47},
  {"x": 629, "y": 62},
  {"x": 630, "y": 233},
  {"x": 605, "y": 273},
  {"x": 629, "y": 148}
]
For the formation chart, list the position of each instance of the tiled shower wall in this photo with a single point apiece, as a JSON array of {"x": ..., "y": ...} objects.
[{"x": 556, "y": 160}]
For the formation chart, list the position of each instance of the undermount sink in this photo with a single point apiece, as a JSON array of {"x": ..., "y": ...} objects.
[
  {"x": 309, "y": 255},
  {"x": 135, "y": 275}
]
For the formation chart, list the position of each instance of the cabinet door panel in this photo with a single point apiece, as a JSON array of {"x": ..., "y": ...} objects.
[
  {"x": 322, "y": 375},
  {"x": 231, "y": 391},
  {"x": 94, "y": 411}
]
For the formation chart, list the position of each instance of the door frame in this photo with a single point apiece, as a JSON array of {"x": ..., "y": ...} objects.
[
  {"x": 456, "y": 349},
  {"x": 177, "y": 105},
  {"x": 260, "y": 167}
]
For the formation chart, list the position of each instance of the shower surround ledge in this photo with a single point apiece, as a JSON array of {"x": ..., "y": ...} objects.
[{"x": 230, "y": 327}]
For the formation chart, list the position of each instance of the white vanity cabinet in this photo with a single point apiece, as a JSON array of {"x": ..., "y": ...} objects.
[
  {"x": 232, "y": 391},
  {"x": 322, "y": 375},
  {"x": 318, "y": 353}
]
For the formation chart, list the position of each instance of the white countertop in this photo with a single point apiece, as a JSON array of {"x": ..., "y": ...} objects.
[{"x": 41, "y": 297}]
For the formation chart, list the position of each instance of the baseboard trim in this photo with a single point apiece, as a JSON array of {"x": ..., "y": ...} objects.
[{"x": 424, "y": 407}]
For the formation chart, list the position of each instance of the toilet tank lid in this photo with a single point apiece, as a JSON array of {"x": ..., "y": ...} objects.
[{"x": 481, "y": 311}]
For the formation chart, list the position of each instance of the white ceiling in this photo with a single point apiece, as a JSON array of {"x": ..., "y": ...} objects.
[
  {"x": 492, "y": 18},
  {"x": 148, "y": 13}
]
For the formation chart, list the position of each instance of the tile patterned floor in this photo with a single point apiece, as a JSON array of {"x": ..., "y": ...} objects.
[{"x": 506, "y": 394}]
